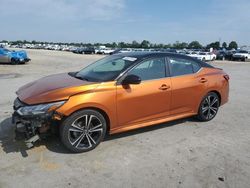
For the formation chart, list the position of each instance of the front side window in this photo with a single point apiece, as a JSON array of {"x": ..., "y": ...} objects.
[
  {"x": 179, "y": 66},
  {"x": 150, "y": 69}
]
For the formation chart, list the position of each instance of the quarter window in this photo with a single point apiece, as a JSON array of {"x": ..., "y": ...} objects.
[
  {"x": 150, "y": 69},
  {"x": 180, "y": 66}
]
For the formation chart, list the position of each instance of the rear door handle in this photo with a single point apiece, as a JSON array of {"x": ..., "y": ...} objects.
[
  {"x": 164, "y": 87},
  {"x": 203, "y": 80}
]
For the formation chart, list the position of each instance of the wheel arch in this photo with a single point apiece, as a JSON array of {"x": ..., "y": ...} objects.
[
  {"x": 105, "y": 115},
  {"x": 103, "y": 112}
]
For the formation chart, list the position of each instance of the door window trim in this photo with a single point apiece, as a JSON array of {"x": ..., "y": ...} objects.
[
  {"x": 169, "y": 68},
  {"x": 125, "y": 73}
]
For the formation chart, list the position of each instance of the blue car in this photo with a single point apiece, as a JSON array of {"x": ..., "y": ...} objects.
[{"x": 13, "y": 57}]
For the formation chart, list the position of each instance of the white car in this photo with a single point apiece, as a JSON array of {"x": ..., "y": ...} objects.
[
  {"x": 203, "y": 56},
  {"x": 106, "y": 51},
  {"x": 192, "y": 54},
  {"x": 242, "y": 55},
  {"x": 207, "y": 56}
]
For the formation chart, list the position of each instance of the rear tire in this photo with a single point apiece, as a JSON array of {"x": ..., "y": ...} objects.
[
  {"x": 209, "y": 107},
  {"x": 83, "y": 130}
]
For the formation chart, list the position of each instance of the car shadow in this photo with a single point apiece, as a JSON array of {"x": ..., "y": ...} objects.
[
  {"x": 9, "y": 145},
  {"x": 13, "y": 64},
  {"x": 52, "y": 143}
]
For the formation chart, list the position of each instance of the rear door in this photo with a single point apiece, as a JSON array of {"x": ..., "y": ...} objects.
[
  {"x": 148, "y": 100},
  {"x": 188, "y": 85}
]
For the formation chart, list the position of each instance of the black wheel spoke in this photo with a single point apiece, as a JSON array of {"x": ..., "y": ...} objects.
[
  {"x": 89, "y": 142},
  {"x": 213, "y": 109},
  {"x": 214, "y": 101},
  {"x": 75, "y": 130},
  {"x": 204, "y": 109},
  {"x": 77, "y": 139},
  {"x": 96, "y": 128},
  {"x": 80, "y": 140},
  {"x": 91, "y": 139}
]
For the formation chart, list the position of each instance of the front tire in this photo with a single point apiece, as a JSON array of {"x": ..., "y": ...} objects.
[
  {"x": 209, "y": 107},
  {"x": 83, "y": 130},
  {"x": 14, "y": 61}
]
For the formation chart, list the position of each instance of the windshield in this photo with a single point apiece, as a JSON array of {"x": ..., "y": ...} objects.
[{"x": 106, "y": 69}]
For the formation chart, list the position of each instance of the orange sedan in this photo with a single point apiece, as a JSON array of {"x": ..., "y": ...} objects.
[{"x": 119, "y": 93}]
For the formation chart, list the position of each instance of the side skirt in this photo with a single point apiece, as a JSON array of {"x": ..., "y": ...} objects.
[{"x": 149, "y": 123}]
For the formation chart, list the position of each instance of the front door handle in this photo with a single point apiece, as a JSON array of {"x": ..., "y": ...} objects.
[
  {"x": 164, "y": 87},
  {"x": 203, "y": 80}
]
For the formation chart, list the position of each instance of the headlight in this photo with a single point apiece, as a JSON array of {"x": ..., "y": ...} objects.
[{"x": 39, "y": 109}]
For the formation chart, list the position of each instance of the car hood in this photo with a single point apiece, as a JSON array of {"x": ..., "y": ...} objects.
[{"x": 53, "y": 88}]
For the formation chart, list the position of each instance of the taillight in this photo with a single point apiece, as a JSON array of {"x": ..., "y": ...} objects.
[{"x": 226, "y": 77}]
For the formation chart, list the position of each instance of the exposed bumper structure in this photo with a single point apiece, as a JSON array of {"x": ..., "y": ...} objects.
[{"x": 31, "y": 127}]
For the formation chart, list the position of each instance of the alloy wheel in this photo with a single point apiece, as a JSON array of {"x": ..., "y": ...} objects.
[
  {"x": 210, "y": 107},
  {"x": 85, "y": 132}
]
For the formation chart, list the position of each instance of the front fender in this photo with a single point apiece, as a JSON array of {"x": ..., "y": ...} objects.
[{"x": 103, "y": 99}]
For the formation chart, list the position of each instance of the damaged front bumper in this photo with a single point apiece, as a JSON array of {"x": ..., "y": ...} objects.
[{"x": 33, "y": 127}]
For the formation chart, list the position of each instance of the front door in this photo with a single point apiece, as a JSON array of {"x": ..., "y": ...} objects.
[{"x": 148, "y": 100}]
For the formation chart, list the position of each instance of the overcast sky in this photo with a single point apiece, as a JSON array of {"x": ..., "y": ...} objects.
[{"x": 160, "y": 21}]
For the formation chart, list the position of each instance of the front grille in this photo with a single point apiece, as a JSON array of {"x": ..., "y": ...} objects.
[{"x": 18, "y": 104}]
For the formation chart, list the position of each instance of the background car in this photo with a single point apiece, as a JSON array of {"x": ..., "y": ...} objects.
[
  {"x": 13, "y": 57},
  {"x": 107, "y": 51},
  {"x": 225, "y": 55},
  {"x": 89, "y": 50},
  {"x": 79, "y": 50},
  {"x": 242, "y": 55}
]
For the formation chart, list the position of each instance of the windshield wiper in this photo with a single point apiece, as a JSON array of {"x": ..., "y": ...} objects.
[
  {"x": 81, "y": 78},
  {"x": 74, "y": 74}
]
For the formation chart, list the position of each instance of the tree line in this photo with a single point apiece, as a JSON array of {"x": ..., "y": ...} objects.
[{"x": 134, "y": 44}]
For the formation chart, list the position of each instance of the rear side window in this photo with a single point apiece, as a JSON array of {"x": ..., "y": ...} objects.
[{"x": 179, "y": 66}]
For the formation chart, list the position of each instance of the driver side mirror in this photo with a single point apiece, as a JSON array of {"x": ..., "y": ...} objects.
[{"x": 131, "y": 79}]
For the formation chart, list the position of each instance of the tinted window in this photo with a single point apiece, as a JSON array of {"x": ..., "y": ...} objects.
[
  {"x": 150, "y": 69},
  {"x": 106, "y": 69},
  {"x": 116, "y": 65},
  {"x": 180, "y": 66}
]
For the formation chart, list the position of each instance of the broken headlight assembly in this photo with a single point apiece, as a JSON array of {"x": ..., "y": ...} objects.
[{"x": 39, "y": 109}]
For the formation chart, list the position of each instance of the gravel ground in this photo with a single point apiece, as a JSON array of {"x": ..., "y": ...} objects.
[{"x": 183, "y": 153}]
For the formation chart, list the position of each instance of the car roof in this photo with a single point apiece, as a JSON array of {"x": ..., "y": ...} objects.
[
  {"x": 146, "y": 55},
  {"x": 142, "y": 54}
]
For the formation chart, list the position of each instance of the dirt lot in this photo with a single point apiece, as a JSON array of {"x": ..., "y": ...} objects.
[{"x": 183, "y": 153}]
